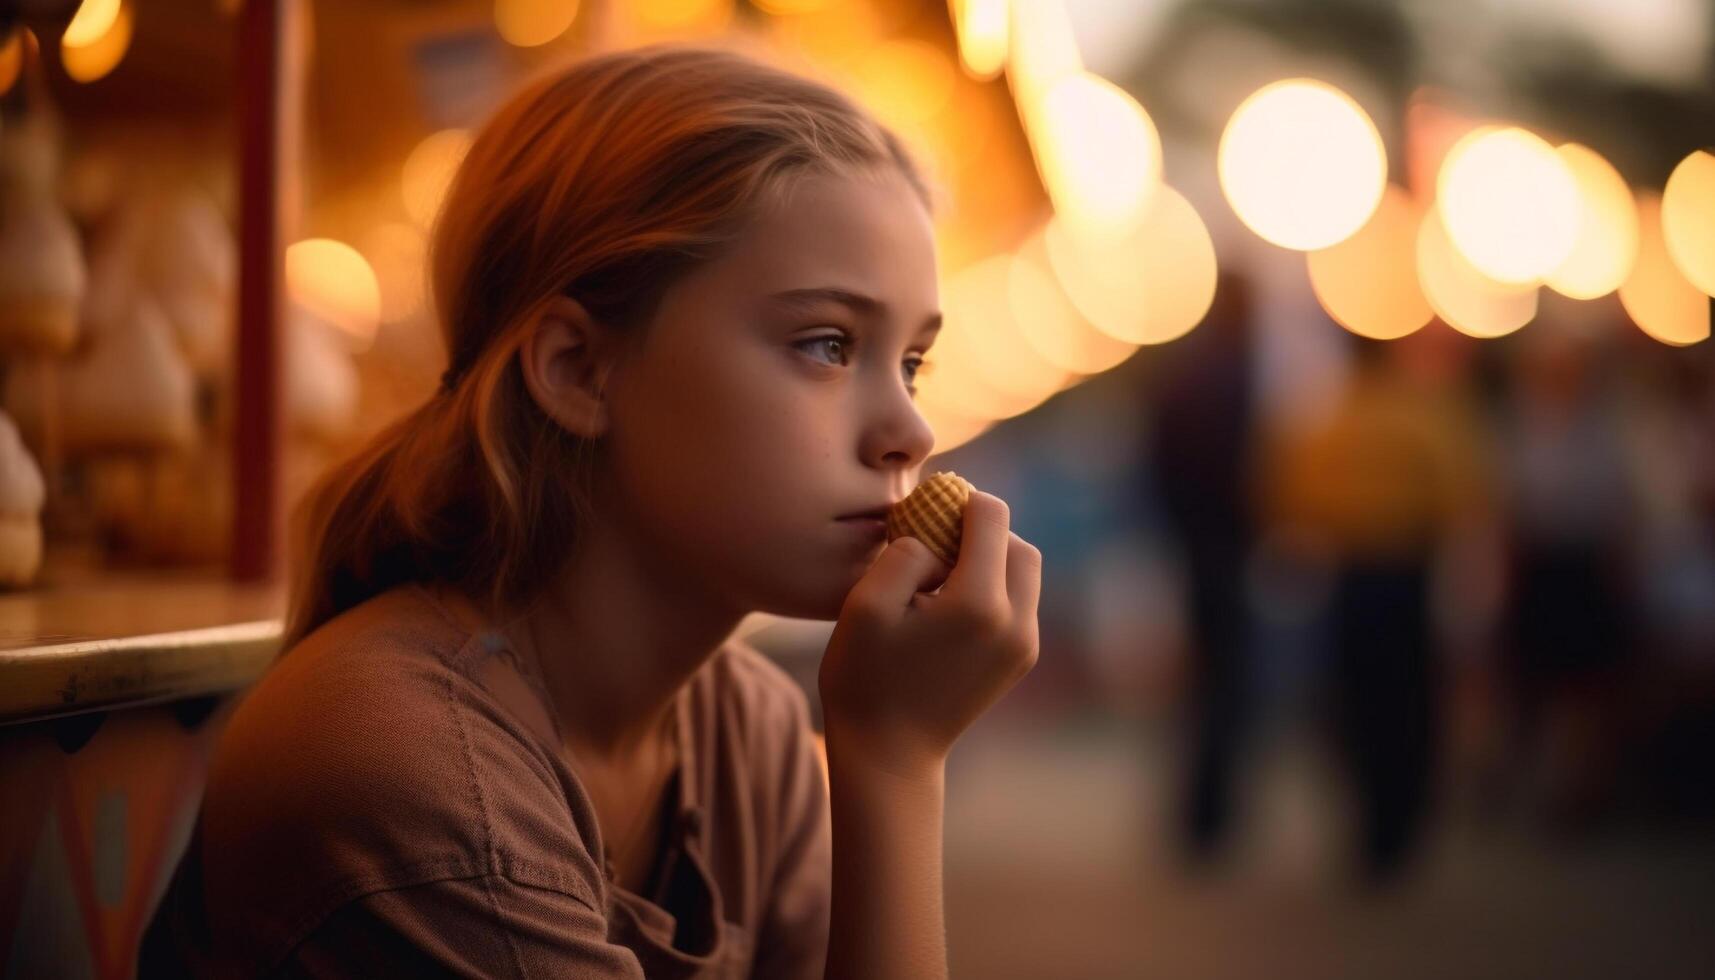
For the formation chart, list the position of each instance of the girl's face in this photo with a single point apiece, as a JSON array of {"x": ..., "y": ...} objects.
[{"x": 773, "y": 395}]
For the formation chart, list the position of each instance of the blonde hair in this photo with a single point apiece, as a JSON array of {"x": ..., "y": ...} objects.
[{"x": 605, "y": 181}]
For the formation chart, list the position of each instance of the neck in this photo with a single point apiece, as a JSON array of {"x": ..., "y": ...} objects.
[{"x": 615, "y": 637}]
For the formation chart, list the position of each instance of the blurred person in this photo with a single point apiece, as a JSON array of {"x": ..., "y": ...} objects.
[
  {"x": 685, "y": 296},
  {"x": 1571, "y": 513},
  {"x": 1199, "y": 442},
  {"x": 1669, "y": 396},
  {"x": 1392, "y": 475}
]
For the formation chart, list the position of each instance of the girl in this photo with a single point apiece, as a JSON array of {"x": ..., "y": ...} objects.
[{"x": 685, "y": 297}]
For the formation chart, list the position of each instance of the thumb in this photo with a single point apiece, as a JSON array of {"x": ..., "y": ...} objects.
[{"x": 905, "y": 568}]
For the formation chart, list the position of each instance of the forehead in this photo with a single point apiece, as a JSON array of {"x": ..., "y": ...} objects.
[{"x": 867, "y": 233}]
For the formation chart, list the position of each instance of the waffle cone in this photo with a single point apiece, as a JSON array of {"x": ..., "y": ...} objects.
[{"x": 934, "y": 514}]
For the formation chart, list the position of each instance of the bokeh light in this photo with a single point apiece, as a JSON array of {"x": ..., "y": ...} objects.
[
  {"x": 1469, "y": 301},
  {"x": 1607, "y": 239},
  {"x": 790, "y": 7},
  {"x": 986, "y": 333},
  {"x": 335, "y": 282},
  {"x": 1149, "y": 289},
  {"x": 1099, "y": 154},
  {"x": 428, "y": 170},
  {"x": 952, "y": 424},
  {"x": 983, "y": 35},
  {"x": 830, "y": 34},
  {"x": 906, "y": 81},
  {"x": 1657, "y": 296},
  {"x": 397, "y": 251},
  {"x": 695, "y": 17},
  {"x": 94, "y": 18},
  {"x": 1510, "y": 204},
  {"x": 1049, "y": 321},
  {"x": 532, "y": 23},
  {"x": 95, "y": 60},
  {"x": 1368, "y": 283},
  {"x": 1688, "y": 218},
  {"x": 11, "y": 58},
  {"x": 1302, "y": 164},
  {"x": 1043, "y": 51}
]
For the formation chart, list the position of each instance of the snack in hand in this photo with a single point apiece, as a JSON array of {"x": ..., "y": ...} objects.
[{"x": 934, "y": 514}]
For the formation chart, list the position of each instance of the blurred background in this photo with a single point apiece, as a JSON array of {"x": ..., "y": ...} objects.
[{"x": 1348, "y": 361}]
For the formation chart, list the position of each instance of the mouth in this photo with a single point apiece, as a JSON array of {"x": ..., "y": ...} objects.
[{"x": 873, "y": 514}]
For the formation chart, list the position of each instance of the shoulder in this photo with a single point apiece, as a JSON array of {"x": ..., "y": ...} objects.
[
  {"x": 757, "y": 691},
  {"x": 366, "y": 759}
]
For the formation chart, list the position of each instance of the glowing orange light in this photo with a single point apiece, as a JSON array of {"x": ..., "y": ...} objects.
[
  {"x": 1469, "y": 301},
  {"x": 1657, "y": 296},
  {"x": 1153, "y": 287},
  {"x": 1368, "y": 283},
  {"x": 1510, "y": 204},
  {"x": 428, "y": 170},
  {"x": 335, "y": 282},
  {"x": 532, "y": 23},
  {"x": 1302, "y": 164},
  {"x": 1607, "y": 239},
  {"x": 95, "y": 60},
  {"x": 1688, "y": 218}
]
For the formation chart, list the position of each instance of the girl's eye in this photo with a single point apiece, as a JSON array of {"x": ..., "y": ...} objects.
[
  {"x": 838, "y": 350},
  {"x": 914, "y": 370},
  {"x": 839, "y": 345}
]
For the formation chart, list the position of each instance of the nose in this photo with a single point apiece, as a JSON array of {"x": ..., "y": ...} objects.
[{"x": 895, "y": 435}]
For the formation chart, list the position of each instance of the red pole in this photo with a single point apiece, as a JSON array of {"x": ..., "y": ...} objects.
[{"x": 269, "y": 101}]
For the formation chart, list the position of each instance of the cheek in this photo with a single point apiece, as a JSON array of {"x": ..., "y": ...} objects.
[{"x": 733, "y": 450}]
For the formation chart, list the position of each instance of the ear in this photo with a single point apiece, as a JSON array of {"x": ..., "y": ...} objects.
[{"x": 566, "y": 358}]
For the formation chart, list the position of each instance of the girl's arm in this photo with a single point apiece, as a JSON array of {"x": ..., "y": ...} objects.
[
  {"x": 919, "y": 652},
  {"x": 887, "y": 918}
]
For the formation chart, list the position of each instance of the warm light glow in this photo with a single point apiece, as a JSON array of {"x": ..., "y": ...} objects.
[
  {"x": 1099, "y": 154},
  {"x": 94, "y": 18},
  {"x": 334, "y": 281},
  {"x": 690, "y": 16},
  {"x": 1469, "y": 301},
  {"x": 789, "y": 7},
  {"x": 906, "y": 81},
  {"x": 1657, "y": 296},
  {"x": 983, "y": 333},
  {"x": 1368, "y": 283},
  {"x": 983, "y": 35},
  {"x": 1050, "y": 323},
  {"x": 952, "y": 426},
  {"x": 428, "y": 171},
  {"x": 1149, "y": 289},
  {"x": 11, "y": 59},
  {"x": 832, "y": 34},
  {"x": 1607, "y": 240},
  {"x": 1688, "y": 219},
  {"x": 1510, "y": 204},
  {"x": 1044, "y": 51},
  {"x": 93, "y": 61},
  {"x": 397, "y": 251},
  {"x": 532, "y": 23},
  {"x": 1302, "y": 164}
]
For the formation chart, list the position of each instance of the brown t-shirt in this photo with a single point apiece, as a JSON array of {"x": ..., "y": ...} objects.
[{"x": 389, "y": 799}]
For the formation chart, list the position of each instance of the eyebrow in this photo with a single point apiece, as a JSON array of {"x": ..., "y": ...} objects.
[{"x": 867, "y": 306}]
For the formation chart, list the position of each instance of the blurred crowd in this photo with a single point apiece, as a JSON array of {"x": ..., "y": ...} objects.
[{"x": 1482, "y": 571}]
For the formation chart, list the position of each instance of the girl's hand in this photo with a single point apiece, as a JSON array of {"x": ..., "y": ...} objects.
[{"x": 906, "y": 670}]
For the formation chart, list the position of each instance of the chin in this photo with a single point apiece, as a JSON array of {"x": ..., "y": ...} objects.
[{"x": 811, "y": 599}]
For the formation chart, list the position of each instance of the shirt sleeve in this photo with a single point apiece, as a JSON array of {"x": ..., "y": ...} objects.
[
  {"x": 792, "y": 941},
  {"x": 483, "y": 926}
]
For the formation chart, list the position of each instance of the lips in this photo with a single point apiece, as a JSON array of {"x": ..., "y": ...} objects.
[{"x": 873, "y": 514}]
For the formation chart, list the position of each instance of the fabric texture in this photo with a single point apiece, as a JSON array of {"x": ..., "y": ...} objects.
[{"x": 390, "y": 800}]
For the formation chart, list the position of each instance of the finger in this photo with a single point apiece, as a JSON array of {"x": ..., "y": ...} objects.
[
  {"x": 906, "y": 566},
  {"x": 1023, "y": 576},
  {"x": 981, "y": 569}
]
